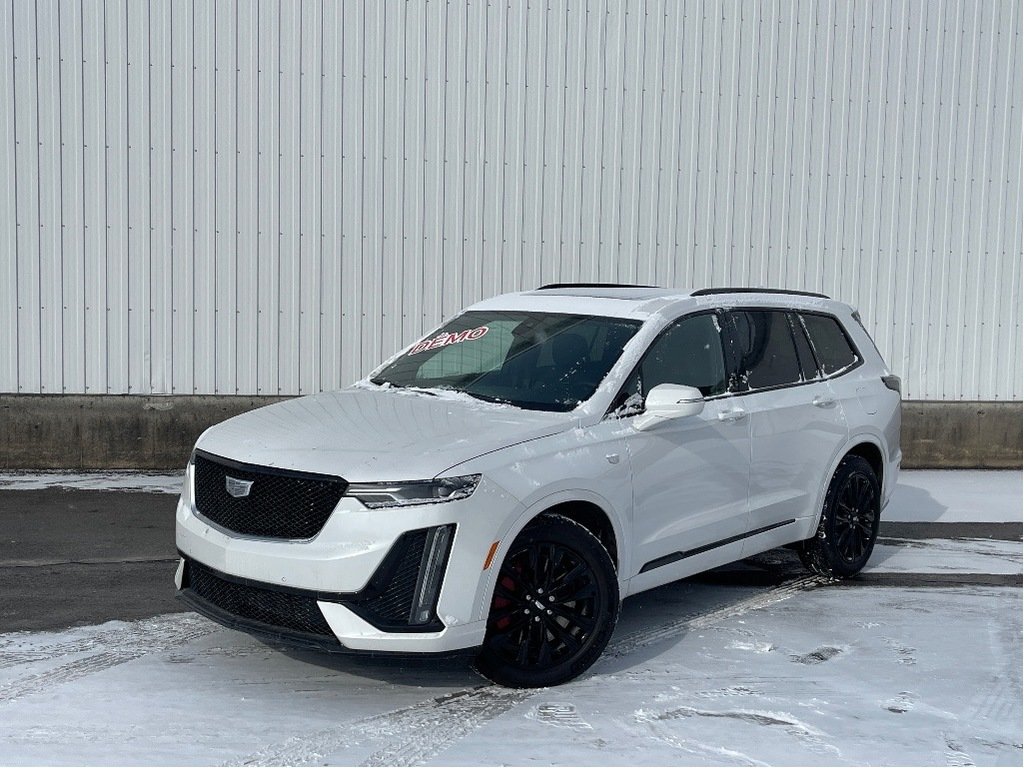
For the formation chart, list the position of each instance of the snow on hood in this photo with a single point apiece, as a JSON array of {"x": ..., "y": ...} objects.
[{"x": 366, "y": 435}]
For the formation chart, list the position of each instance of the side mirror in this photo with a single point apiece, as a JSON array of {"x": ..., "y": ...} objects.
[{"x": 669, "y": 401}]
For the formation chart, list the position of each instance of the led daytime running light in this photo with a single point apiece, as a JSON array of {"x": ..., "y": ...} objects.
[{"x": 414, "y": 492}]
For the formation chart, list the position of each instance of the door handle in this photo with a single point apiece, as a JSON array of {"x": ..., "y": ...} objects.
[
  {"x": 823, "y": 401},
  {"x": 733, "y": 414}
]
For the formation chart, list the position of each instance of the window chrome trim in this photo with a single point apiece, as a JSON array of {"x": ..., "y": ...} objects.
[
  {"x": 821, "y": 377},
  {"x": 720, "y": 311}
]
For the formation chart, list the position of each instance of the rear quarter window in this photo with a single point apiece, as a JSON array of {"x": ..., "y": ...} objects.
[{"x": 832, "y": 347}]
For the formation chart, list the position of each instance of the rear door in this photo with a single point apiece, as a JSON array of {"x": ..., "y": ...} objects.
[{"x": 796, "y": 420}]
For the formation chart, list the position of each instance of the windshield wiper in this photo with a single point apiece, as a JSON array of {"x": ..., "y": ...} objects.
[
  {"x": 485, "y": 398},
  {"x": 421, "y": 391},
  {"x": 409, "y": 387}
]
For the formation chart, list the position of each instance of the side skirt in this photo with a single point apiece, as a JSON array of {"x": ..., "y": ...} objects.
[
  {"x": 680, "y": 565},
  {"x": 676, "y": 556}
]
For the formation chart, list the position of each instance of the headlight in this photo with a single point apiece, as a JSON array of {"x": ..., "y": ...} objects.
[{"x": 406, "y": 494}]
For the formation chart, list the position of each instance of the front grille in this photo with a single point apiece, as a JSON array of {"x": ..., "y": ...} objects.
[
  {"x": 280, "y": 504},
  {"x": 280, "y": 610},
  {"x": 393, "y": 604}
]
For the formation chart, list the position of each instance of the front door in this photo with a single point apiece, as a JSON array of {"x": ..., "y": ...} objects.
[{"x": 690, "y": 475}]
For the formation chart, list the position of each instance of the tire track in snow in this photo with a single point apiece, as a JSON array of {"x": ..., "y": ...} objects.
[
  {"x": 21, "y": 658},
  {"x": 65, "y": 673},
  {"x": 116, "y": 646},
  {"x": 807, "y": 735},
  {"x": 955, "y": 754},
  {"x": 419, "y": 731},
  {"x": 704, "y": 619},
  {"x": 424, "y": 730},
  {"x": 1001, "y": 693},
  {"x": 92, "y": 637},
  {"x": 35, "y": 651},
  {"x": 423, "y": 735}
]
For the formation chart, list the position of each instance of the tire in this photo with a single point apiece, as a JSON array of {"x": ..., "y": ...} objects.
[
  {"x": 846, "y": 535},
  {"x": 554, "y": 606}
]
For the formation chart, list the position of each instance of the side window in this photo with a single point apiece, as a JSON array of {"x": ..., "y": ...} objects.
[
  {"x": 689, "y": 352},
  {"x": 833, "y": 349},
  {"x": 768, "y": 357},
  {"x": 803, "y": 349}
]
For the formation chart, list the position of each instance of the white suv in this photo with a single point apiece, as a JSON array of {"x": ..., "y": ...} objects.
[{"x": 502, "y": 484}]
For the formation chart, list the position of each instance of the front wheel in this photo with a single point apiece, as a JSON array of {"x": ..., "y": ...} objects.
[
  {"x": 850, "y": 515},
  {"x": 555, "y": 605}
]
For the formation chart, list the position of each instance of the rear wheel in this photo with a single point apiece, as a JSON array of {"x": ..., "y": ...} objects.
[
  {"x": 555, "y": 605},
  {"x": 850, "y": 515}
]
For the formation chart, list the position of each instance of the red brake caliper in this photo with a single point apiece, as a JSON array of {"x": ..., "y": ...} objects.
[{"x": 503, "y": 602}]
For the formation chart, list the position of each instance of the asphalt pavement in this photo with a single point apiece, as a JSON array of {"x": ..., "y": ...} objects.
[{"x": 75, "y": 557}]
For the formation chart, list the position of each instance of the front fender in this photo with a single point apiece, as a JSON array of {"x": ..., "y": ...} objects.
[{"x": 537, "y": 506}]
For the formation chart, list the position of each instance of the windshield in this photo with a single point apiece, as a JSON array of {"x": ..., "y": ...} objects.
[{"x": 535, "y": 360}]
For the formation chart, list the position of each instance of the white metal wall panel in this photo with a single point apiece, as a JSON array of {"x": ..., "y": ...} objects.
[
  {"x": 29, "y": 222},
  {"x": 329, "y": 339},
  {"x": 50, "y": 244},
  {"x": 115, "y": 150},
  {"x": 267, "y": 296},
  {"x": 393, "y": 169},
  {"x": 10, "y": 360},
  {"x": 226, "y": 196},
  {"x": 349, "y": 197},
  {"x": 72, "y": 271},
  {"x": 266, "y": 197},
  {"x": 310, "y": 197},
  {"x": 182, "y": 255},
  {"x": 289, "y": 196},
  {"x": 240, "y": 374},
  {"x": 158, "y": 111},
  {"x": 138, "y": 189},
  {"x": 204, "y": 198}
]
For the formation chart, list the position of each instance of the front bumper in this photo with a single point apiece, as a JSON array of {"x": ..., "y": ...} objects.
[
  {"x": 301, "y": 630},
  {"x": 350, "y": 564}
]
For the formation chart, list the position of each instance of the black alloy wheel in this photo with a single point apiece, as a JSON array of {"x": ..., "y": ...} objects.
[
  {"x": 846, "y": 535},
  {"x": 855, "y": 518},
  {"x": 554, "y": 607}
]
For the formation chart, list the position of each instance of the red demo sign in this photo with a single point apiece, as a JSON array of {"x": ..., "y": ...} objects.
[{"x": 444, "y": 339}]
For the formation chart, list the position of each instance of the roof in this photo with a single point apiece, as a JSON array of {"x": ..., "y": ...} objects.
[
  {"x": 641, "y": 301},
  {"x": 597, "y": 291}
]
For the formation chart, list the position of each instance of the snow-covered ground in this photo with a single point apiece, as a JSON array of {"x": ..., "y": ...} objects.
[
  {"x": 118, "y": 480},
  {"x": 919, "y": 663}
]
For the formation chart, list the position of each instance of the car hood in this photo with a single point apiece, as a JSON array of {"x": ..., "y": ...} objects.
[{"x": 367, "y": 435}]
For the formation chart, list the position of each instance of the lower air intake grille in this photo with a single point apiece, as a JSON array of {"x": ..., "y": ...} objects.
[
  {"x": 266, "y": 502},
  {"x": 275, "y": 609},
  {"x": 392, "y": 606}
]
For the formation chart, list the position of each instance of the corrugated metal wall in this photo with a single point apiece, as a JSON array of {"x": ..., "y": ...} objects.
[{"x": 268, "y": 197}]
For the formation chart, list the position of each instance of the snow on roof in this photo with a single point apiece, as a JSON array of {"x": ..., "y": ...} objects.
[{"x": 637, "y": 302}]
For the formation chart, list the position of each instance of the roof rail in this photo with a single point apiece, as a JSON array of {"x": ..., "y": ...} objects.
[
  {"x": 553, "y": 286},
  {"x": 715, "y": 291}
]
